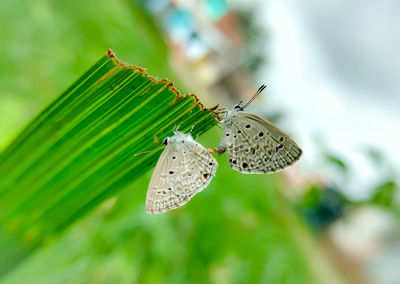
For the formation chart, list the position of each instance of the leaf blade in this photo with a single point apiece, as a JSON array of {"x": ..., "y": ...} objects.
[{"x": 80, "y": 149}]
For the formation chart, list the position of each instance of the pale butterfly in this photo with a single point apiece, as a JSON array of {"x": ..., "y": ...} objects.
[
  {"x": 184, "y": 168},
  {"x": 255, "y": 145}
]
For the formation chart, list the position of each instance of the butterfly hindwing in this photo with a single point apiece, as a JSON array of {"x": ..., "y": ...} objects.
[{"x": 199, "y": 168}]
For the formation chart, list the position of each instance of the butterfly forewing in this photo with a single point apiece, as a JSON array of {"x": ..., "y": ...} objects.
[
  {"x": 160, "y": 196},
  {"x": 255, "y": 145}
]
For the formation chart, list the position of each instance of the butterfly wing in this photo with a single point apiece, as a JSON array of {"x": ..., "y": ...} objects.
[
  {"x": 181, "y": 172},
  {"x": 198, "y": 169},
  {"x": 255, "y": 145},
  {"x": 160, "y": 195}
]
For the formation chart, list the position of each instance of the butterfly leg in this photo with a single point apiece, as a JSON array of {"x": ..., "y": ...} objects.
[{"x": 220, "y": 149}]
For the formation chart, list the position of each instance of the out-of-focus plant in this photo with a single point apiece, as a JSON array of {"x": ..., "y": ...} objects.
[
  {"x": 322, "y": 206},
  {"x": 384, "y": 194},
  {"x": 255, "y": 41}
]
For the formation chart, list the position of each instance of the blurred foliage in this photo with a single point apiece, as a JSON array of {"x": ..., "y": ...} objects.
[
  {"x": 322, "y": 206},
  {"x": 384, "y": 194},
  {"x": 255, "y": 41},
  {"x": 375, "y": 155},
  {"x": 334, "y": 160}
]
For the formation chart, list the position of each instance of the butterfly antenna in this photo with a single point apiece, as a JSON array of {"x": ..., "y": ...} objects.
[
  {"x": 145, "y": 152},
  {"x": 175, "y": 129},
  {"x": 259, "y": 91}
]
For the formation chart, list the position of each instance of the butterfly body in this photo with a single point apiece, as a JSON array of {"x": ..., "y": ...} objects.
[
  {"x": 184, "y": 168},
  {"x": 255, "y": 145}
]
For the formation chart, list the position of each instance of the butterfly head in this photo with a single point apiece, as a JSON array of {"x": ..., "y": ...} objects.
[
  {"x": 228, "y": 115},
  {"x": 178, "y": 138}
]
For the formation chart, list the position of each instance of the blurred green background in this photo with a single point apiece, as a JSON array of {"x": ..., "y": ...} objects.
[{"x": 241, "y": 229}]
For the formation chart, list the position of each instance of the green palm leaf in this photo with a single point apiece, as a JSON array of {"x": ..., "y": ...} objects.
[{"x": 80, "y": 150}]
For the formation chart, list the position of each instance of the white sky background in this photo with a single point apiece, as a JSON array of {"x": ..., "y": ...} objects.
[{"x": 334, "y": 68}]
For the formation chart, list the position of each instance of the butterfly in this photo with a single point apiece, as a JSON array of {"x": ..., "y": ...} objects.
[
  {"x": 255, "y": 145},
  {"x": 184, "y": 168}
]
